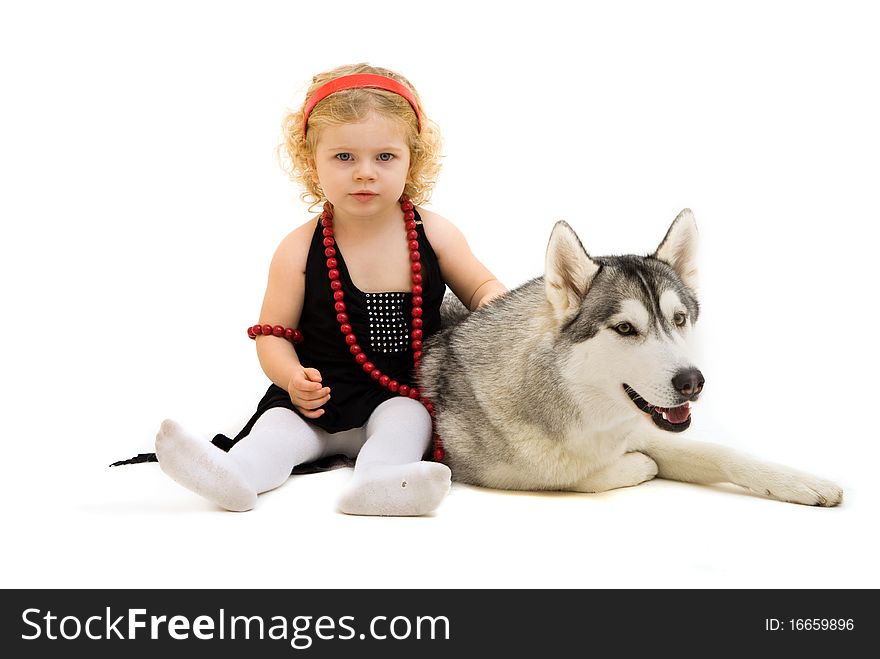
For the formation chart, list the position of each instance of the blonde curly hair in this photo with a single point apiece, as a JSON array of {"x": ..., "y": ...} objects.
[{"x": 297, "y": 151}]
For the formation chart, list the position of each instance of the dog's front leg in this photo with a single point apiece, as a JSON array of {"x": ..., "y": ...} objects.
[{"x": 700, "y": 462}]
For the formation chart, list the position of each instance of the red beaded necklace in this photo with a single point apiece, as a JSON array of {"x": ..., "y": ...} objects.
[{"x": 360, "y": 357}]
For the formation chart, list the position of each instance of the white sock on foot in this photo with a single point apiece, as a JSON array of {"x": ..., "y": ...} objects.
[
  {"x": 415, "y": 488},
  {"x": 198, "y": 465}
]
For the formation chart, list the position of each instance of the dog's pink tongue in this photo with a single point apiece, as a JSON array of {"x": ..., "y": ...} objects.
[{"x": 678, "y": 414}]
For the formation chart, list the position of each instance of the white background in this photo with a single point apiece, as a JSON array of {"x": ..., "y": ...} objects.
[{"x": 141, "y": 203}]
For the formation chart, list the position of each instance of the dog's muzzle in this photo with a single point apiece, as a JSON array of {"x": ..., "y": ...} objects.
[{"x": 672, "y": 419}]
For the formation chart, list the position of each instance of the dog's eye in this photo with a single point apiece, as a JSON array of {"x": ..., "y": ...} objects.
[
  {"x": 625, "y": 329},
  {"x": 680, "y": 318}
]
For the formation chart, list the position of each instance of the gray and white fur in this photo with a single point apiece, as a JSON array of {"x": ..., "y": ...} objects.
[{"x": 581, "y": 379}]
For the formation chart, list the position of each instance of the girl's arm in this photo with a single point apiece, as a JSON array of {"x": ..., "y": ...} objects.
[
  {"x": 469, "y": 279},
  {"x": 282, "y": 305}
]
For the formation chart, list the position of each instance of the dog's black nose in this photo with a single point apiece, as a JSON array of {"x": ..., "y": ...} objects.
[{"x": 688, "y": 382}]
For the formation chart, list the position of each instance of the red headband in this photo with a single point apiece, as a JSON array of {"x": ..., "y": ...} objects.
[{"x": 359, "y": 80}]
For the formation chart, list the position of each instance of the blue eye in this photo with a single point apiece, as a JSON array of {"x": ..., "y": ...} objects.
[
  {"x": 344, "y": 157},
  {"x": 385, "y": 157}
]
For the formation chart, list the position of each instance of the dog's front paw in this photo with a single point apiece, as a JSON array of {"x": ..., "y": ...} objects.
[
  {"x": 804, "y": 489},
  {"x": 631, "y": 469},
  {"x": 639, "y": 467}
]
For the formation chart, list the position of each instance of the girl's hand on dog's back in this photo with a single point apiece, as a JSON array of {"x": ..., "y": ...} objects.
[{"x": 307, "y": 393}]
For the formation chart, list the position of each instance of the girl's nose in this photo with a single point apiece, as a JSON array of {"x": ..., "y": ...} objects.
[{"x": 365, "y": 171}]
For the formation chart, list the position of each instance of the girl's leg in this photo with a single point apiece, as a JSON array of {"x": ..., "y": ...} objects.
[
  {"x": 261, "y": 461},
  {"x": 390, "y": 477}
]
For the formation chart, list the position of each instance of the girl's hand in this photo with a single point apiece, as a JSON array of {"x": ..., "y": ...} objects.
[{"x": 306, "y": 392}]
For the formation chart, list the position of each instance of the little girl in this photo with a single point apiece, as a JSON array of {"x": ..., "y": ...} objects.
[{"x": 358, "y": 289}]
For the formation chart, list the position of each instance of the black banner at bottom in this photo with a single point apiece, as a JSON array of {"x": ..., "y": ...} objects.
[{"x": 317, "y": 623}]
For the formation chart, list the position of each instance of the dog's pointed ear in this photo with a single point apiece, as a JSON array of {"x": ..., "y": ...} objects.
[
  {"x": 568, "y": 271},
  {"x": 679, "y": 248}
]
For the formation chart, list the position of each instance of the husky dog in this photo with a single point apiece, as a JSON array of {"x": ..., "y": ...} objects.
[{"x": 580, "y": 380}]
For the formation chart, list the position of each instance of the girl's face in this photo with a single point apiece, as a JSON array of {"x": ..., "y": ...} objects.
[{"x": 362, "y": 168}]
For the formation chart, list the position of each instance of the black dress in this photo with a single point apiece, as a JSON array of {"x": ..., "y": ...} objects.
[{"x": 382, "y": 323}]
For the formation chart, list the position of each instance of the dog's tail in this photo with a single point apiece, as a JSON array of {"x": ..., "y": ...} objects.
[{"x": 452, "y": 311}]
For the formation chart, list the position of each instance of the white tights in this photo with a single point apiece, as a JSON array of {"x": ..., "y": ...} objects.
[{"x": 389, "y": 477}]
